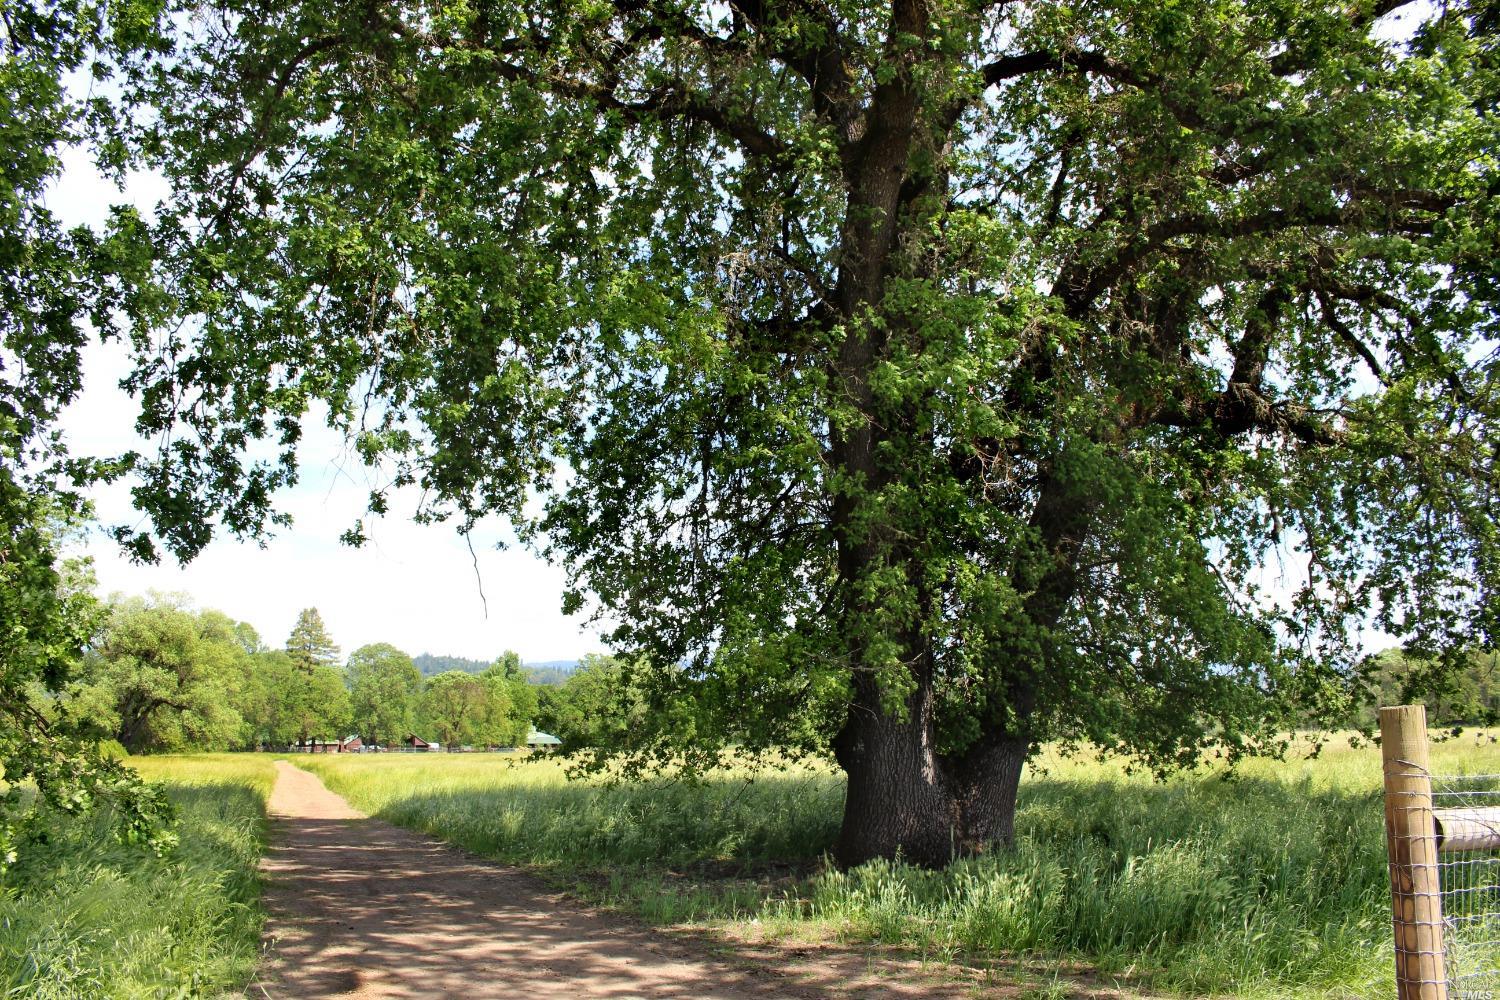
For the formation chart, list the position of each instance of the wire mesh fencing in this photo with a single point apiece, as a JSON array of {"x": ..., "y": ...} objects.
[
  {"x": 1443, "y": 844},
  {"x": 1466, "y": 812}
]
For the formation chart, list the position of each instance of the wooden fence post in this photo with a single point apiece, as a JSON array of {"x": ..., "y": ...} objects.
[{"x": 1411, "y": 845}]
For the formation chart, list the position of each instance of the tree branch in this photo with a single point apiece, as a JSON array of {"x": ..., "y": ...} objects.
[
  {"x": 264, "y": 116},
  {"x": 664, "y": 103},
  {"x": 787, "y": 335},
  {"x": 1013, "y": 66},
  {"x": 1240, "y": 409},
  {"x": 1078, "y": 288},
  {"x": 1351, "y": 340},
  {"x": 818, "y": 56},
  {"x": 1253, "y": 348}
]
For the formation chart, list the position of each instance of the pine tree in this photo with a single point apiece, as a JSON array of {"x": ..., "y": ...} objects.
[{"x": 310, "y": 645}]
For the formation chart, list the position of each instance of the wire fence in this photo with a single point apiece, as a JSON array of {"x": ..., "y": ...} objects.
[
  {"x": 1466, "y": 813},
  {"x": 1443, "y": 843}
]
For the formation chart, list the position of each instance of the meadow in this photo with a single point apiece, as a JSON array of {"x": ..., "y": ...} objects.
[
  {"x": 82, "y": 916},
  {"x": 1269, "y": 881}
]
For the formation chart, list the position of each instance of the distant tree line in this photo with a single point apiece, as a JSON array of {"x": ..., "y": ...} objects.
[
  {"x": 159, "y": 675},
  {"x": 430, "y": 666},
  {"x": 1460, "y": 689},
  {"x": 551, "y": 672}
]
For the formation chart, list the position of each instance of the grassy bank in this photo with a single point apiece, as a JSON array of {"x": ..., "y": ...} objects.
[
  {"x": 1268, "y": 883},
  {"x": 84, "y": 917}
]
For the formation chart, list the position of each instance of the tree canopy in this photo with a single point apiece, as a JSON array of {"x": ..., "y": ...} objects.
[
  {"x": 159, "y": 677},
  {"x": 47, "y": 616},
  {"x": 913, "y": 382},
  {"x": 455, "y": 705},
  {"x": 595, "y": 709},
  {"x": 512, "y": 702},
  {"x": 384, "y": 687},
  {"x": 1467, "y": 695},
  {"x": 55, "y": 286},
  {"x": 494, "y": 707},
  {"x": 320, "y": 703}
]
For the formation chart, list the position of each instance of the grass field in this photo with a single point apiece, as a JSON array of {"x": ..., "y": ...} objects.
[
  {"x": 84, "y": 917},
  {"x": 1270, "y": 882}
]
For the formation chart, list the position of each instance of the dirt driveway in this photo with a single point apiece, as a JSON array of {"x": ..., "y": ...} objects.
[{"x": 360, "y": 908}]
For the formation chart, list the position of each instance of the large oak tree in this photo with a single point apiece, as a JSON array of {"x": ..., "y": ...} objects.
[
  {"x": 913, "y": 381},
  {"x": 159, "y": 677}
]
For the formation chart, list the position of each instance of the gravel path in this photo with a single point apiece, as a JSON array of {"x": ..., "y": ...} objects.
[{"x": 360, "y": 908}]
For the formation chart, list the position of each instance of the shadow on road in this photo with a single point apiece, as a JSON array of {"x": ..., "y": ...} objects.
[{"x": 360, "y": 907}]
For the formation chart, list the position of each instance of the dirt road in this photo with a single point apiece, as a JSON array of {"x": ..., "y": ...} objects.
[{"x": 359, "y": 908}]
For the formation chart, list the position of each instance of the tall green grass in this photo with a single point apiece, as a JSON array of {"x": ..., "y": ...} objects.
[
  {"x": 82, "y": 916},
  {"x": 525, "y": 810},
  {"x": 1200, "y": 886},
  {"x": 1268, "y": 882}
]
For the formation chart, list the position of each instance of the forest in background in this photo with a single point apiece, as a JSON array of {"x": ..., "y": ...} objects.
[
  {"x": 545, "y": 672},
  {"x": 160, "y": 675}
]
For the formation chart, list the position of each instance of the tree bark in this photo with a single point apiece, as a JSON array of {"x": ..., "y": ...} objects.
[
  {"x": 906, "y": 800},
  {"x": 984, "y": 783}
]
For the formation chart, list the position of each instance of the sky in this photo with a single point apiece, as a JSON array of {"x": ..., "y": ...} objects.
[{"x": 417, "y": 587}]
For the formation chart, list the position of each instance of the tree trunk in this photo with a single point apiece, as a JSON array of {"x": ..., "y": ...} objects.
[
  {"x": 135, "y": 714},
  {"x": 896, "y": 803},
  {"x": 131, "y": 733},
  {"x": 984, "y": 783},
  {"x": 905, "y": 800}
]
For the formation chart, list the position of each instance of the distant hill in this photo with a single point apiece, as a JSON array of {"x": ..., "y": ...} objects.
[
  {"x": 429, "y": 664},
  {"x": 551, "y": 672},
  {"x": 566, "y": 666},
  {"x": 546, "y": 672}
]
